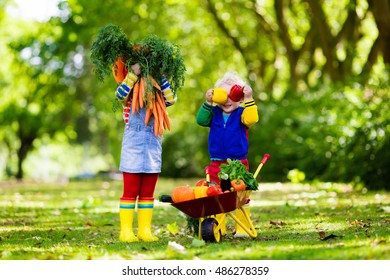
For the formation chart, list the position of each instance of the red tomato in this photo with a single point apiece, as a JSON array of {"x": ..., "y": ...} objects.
[
  {"x": 202, "y": 182},
  {"x": 214, "y": 190}
]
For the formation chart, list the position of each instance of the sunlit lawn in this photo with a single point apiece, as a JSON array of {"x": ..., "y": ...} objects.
[{"x": 80, "y": 220}]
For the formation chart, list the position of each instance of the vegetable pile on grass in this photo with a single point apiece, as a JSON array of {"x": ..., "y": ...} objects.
[
  {"x": 236, "y": 170},
  {"x": 113, "y": 53}
]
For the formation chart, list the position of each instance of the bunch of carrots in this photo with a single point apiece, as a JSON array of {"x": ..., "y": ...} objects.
[{"x": 141, "y": 96}]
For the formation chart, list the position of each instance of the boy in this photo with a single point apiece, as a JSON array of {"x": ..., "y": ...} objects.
[{"x": 229, "y": 123}]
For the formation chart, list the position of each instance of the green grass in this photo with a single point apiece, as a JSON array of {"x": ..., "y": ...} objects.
[{"x": 80, "y": 220}]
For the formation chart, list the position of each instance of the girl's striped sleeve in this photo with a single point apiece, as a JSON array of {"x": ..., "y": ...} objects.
[
  {"x": 125, "y": 87},
  {"x": 170, "y": 96}
]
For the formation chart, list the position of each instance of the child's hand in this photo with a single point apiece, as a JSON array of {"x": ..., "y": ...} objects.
[
  {"x": 247, "y": 92},
  {"x": 209, "y": 96},
  {"x": 136, "y": 69}
]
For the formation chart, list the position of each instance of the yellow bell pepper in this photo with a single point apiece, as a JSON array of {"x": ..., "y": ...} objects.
[
  {"x": 200, "y": 191},
  {"x": 220, "y": 96}
]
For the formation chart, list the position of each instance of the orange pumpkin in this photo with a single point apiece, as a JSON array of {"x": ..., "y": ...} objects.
[{"x": 182, "y": 193}]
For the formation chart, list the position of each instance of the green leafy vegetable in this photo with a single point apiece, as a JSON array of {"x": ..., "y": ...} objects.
[
  {"x": 235, "y": 169},
  {"x": 156, "y": 56},
  {"x": 159, "y": 57},
  {"x": 110, "y": 42}
]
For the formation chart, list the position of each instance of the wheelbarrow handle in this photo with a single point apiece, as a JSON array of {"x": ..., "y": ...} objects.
[
  {"x": 166, "y": 198},
  {"x": 263, "y": 161},
  {"x": 265, "y": 158}
]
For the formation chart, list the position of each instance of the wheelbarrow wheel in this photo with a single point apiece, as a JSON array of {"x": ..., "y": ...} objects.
[{"x": 210, "y": 231}]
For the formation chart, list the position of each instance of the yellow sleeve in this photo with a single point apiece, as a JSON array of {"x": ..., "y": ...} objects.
[
  {"x": 170, "y": 96},
  {"x": 125, "y": 87},
  {"x": 250, "y": 115}
]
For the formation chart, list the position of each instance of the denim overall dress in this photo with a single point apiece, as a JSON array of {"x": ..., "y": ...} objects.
[{"x": 141, "y": 149}]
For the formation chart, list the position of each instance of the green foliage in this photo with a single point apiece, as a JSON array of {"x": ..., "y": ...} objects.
[
  {"x": 320, "y": 81},
  {"x": 296, "y": 176},
  {"x": 336, "y": 133}
]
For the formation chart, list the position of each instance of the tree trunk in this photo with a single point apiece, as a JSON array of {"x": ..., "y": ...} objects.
[
  {"x": 26, "y": 144},
  {"x": 381, "y": 12}
]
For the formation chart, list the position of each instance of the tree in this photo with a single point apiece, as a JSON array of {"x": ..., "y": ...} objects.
[
  {"x": 36, "y": 99},
  {"x": 318, "y": 69},
  {"x": 313, "y": 63},
  {"x": 318, "y": 40}
]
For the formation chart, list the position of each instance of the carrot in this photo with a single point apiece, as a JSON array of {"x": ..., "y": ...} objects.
[
  {"x": 166, "y": 121},
  {"x": 159, "y": 112},
  {"x": 155, "y": 84},
  {"x": 156, "y": 119},
  {"x": 156, "y": 112},
  {"x": 155, "y": 107},
  {"x": 135, "y": 105},
  {"x": 165, "y": 117},
  {"x": 160, "y": 100},
  {"x": 118, "y": 70},
  {"x": 141, "y": 92},
  {"x": 135, "y": 47},
  {"x": 148, "y": 114},
  {"x": 149, "y": 103}
]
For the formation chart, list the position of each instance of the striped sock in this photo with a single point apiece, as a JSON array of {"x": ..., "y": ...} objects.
[
  {"x": 126, "y": 204},
  {"x": 145, "y": 204}
]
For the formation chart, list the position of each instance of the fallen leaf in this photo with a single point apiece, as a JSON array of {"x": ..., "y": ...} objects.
[
  {"x": 378, "y": 242},
  {"x": 355, "y": 223},
  {"x": 88, "y": 223},
  {"x": 361, "y": 223},
  {"x": 197, "y": 243},
  {"x": 331, "y": 236},
  {"x": 276, "y": 223},
  {"x": 173, "y": 228}
]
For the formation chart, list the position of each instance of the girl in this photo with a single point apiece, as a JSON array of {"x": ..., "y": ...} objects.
[{"x": 140, "y": 161}]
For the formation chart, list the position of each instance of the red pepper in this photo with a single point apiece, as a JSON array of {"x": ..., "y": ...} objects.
[
  {"x": 236, "y": 93},
  {"x": 214, "y": 190}
]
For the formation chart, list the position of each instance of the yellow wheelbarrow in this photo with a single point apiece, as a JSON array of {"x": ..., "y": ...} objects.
[{"x": 207, "y": 209}]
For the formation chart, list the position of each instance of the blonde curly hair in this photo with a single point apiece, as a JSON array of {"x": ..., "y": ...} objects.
[{"x": 230, "y": 78}]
